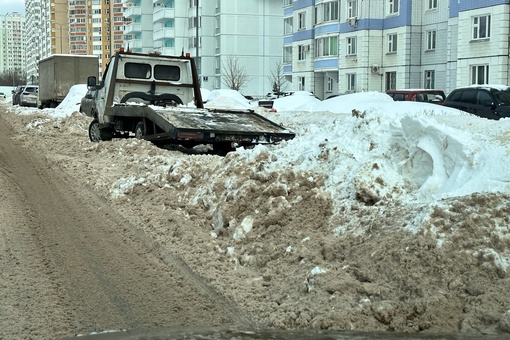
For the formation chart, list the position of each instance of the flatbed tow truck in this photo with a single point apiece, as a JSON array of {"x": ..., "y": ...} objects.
[{"x": 158, "y": 98}]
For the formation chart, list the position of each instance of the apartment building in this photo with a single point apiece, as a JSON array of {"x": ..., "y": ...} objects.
[
  {"x": 91, "y": 27},
  {"x": 12, "y": 44},
  {"x": 339, "y": 46},
  {"x": 213, "y": 31}
]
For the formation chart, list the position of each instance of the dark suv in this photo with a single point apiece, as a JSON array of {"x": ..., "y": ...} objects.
[{"x": 488, "y": 101}]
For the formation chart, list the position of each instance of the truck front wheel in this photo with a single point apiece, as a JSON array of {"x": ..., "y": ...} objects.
[{"x": 96, "y": 134}]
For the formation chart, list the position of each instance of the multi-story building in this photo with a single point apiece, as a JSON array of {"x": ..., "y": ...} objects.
[
  {"x": 326, "y": 46},
  {"x": 91, "y": 27},
  {"x": 12, "y": 44},
  {"x": 338, "y": 46},
  {"x": 214, "y": 31}
]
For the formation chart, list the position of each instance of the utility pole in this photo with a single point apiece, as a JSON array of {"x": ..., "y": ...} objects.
[{"x": 198, "y": 39}]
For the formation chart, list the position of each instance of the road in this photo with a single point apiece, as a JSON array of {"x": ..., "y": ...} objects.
[{"x": 70, "y": 265}]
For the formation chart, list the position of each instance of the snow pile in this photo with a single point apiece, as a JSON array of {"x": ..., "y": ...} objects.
[
  {"x": 227, "y": 99},
  {"x": 71, "y": 102}
]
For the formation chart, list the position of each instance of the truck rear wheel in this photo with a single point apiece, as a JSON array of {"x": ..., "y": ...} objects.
[{"x": 140, "y": 130}]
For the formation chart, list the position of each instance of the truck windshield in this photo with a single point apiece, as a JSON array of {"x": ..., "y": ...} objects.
[{"x": 167, "y": 72}]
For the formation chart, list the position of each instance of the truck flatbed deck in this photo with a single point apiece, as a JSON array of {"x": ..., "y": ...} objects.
[{"x": 181, "y": 123}]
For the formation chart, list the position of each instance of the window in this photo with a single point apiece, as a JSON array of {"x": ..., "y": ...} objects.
[
  {"x": 301, "y": 21},
  {"x": 193, "y": 22},
  {"x": 330, "y": 84},
  {"x": 480, "y": 74},
  {"x": 351, "y": 46},
  {"x": 326, "y": 46},
  {"x": 481, "y": 27},
  {"x": 432, "y": 4},
  {"x": 317, "y": 14},
  {"x": 430, "y": 78},
  {"x": 392, "y": 43},
  {"x": 167, "y": 72},
  {"x": 431, "y": 40},
  {"x": 192, "y": 42},
  {"x": 169, "y": 43},
  {"x": 301, "y": 83},
  {"x": 393, "y": 6},
  {"x": 351, "y": 82},
  {"x": 391, "y": 80},
  {"x": 287, "y": 54},
  {"x": 331, "y": 11},
  {"x": 287, "y": 2},
  {"x": 287, "y": 26},
  {"x": 352, "y": 8},
  {"x": 302, "y": 52},
  {"x": 137, "y": 70}
]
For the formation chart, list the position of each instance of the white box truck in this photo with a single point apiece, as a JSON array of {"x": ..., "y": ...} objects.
[{"x": 59, "y": 72}]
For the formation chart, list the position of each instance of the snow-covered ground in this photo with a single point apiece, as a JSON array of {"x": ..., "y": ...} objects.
[{"x": 406, "y": 199}]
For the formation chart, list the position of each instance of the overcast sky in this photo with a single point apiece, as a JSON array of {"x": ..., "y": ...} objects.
[{"x": 8, "y": 6}]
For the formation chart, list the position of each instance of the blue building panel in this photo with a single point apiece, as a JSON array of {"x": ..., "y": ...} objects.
[
  {"x": 288, "y": 11},
  {"x": 376, "y": 24},
  {"x": 326, "y": 29},
  {"x": 326, "y": 64},
  {"x": 303, "y": 35},
  {"x": 468, "y": 5},
  {"x": 300, "y": 4},
  {"x": 287, "y": 69},
  {"x": 287, "y": 40},
  {"x": 403, "y": 19}
]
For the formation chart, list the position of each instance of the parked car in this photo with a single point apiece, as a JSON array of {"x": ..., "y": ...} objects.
[
  {"x": 488, "y": 101},
  {"x": 29, "y": 96},
  {"x": 275, "y": 95},
  {"x": 87, "y": 104},
  {"x": 2, "y": 95},
  {"x": 418, "y": 95},
  {"x": 16, "y": 94}
]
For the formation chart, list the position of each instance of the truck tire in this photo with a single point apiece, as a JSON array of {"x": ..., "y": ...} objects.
[
  {"x": 162, "y": 99},
  {"x": 96, "y": 134},
  {"x": 168, "y": 99},
  {"x": 140, "y": 130},
  {"x": 222, "y": 148}
]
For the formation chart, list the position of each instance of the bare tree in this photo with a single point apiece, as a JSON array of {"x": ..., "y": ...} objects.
[
  {"x": 10, "y": 77},
  {"x": 277, "y": 78},
  {"x": 232, "y": 74}
]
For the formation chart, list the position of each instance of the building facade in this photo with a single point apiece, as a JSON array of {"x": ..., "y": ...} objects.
[
  {"x": 85, "y": 27},
  {"x": 342, "y": 46},
  {"x": 12, "y": 45},
  {"x": 326, "y": 46},
  {"x": 214, "y": 31}
]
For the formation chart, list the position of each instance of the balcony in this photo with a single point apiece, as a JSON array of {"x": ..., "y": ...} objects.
[
  {"x": 133, "y": 28},
  {"x": 163, "y": 14},
  {"x": 133, "y": 12},
  {"x": 164, "y": 33},
  {"x": 167, "y": 50},
  {"x": 134, "y": 43}
]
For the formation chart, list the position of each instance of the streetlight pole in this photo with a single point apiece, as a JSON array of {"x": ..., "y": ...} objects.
[
  {"x": 198, "y": 39},
  {"x": 60, "y": 29}
]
